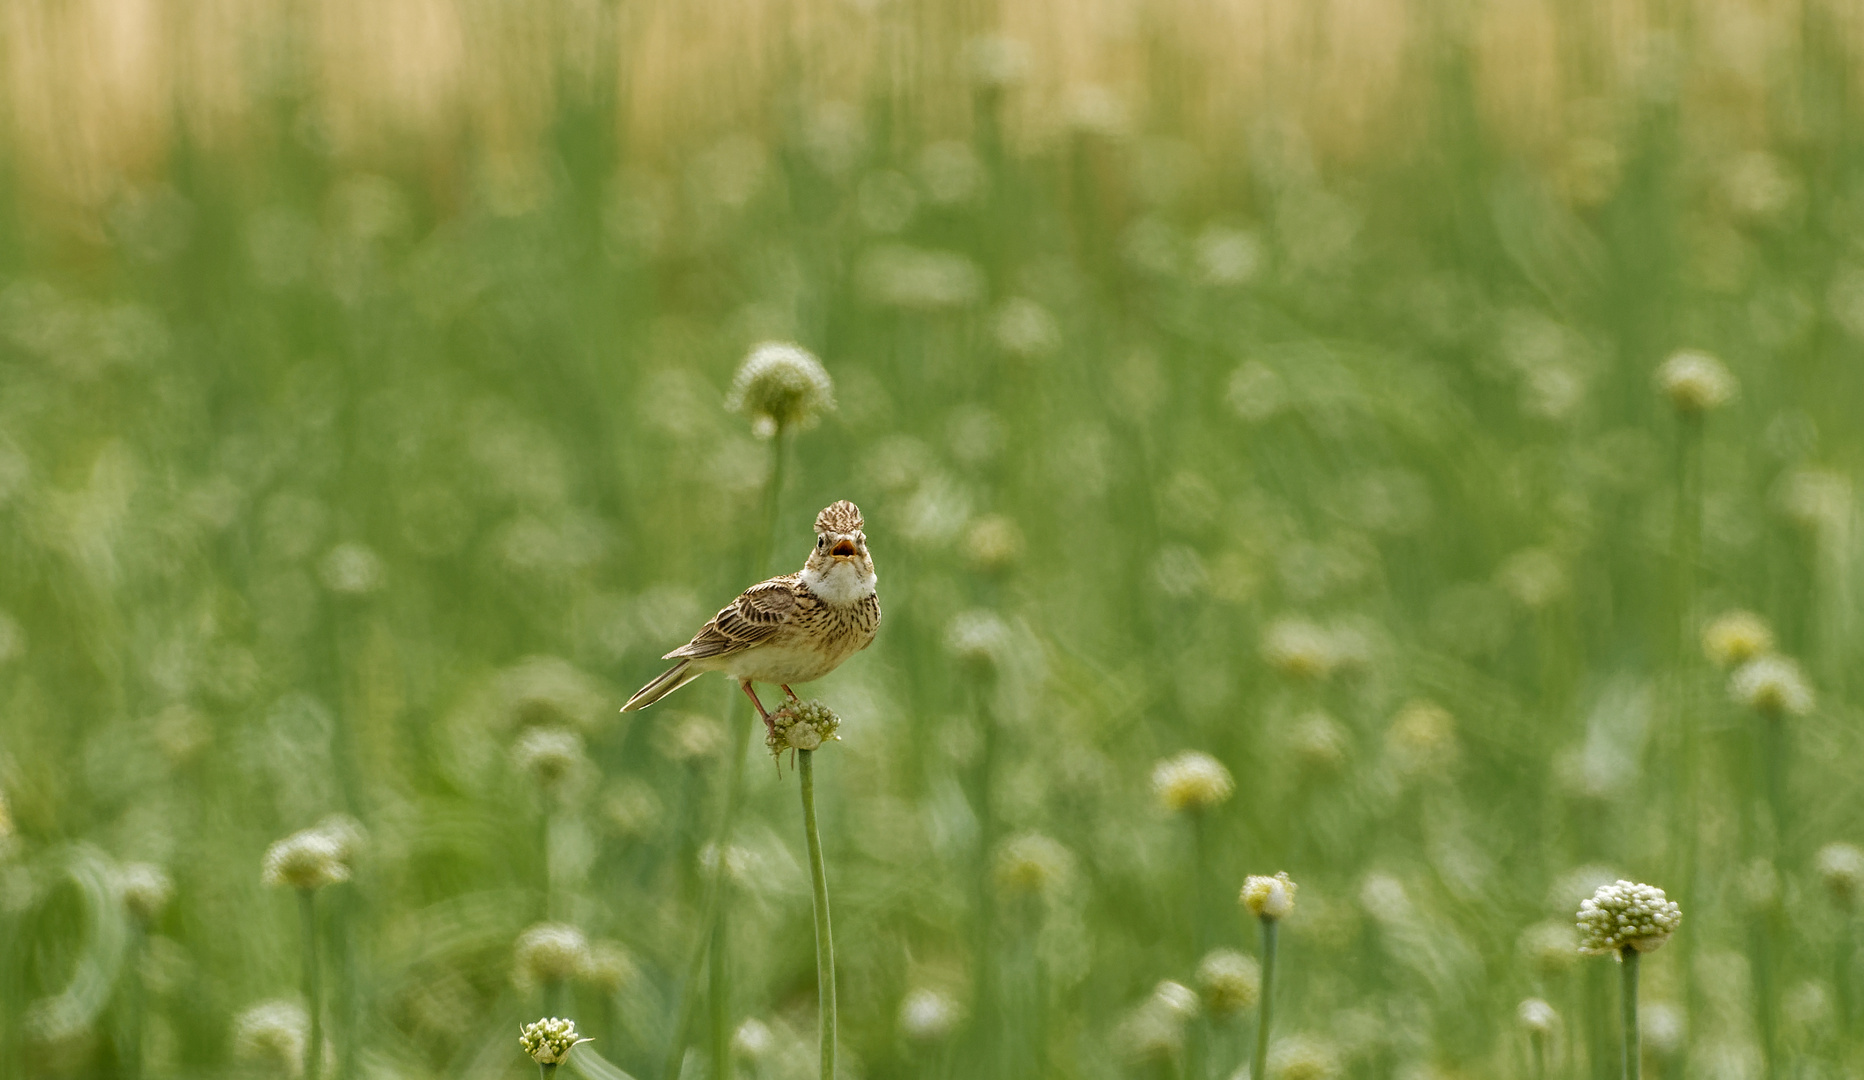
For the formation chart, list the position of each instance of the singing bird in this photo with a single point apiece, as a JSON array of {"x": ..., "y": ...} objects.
[{"x": 791, "y": 629}]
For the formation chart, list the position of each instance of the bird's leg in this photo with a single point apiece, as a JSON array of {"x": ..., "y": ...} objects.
[
  {"x": 769, "y": 725},
  {"x": 791, "y": 693}
]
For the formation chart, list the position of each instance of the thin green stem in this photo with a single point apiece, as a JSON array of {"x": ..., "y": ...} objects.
[
  {"x": 134, "y": 1004},
  {"x": 824, "y": 937},
  {"x": 1259, "y": 1065},
  {"x": 546, "y": 1071},
  {"x": 1632, "y": 1057},
  {"x": 313, "y": 983},
  {"x": 709, "y": 953},
  {"x": 1537, "y": 1053}
]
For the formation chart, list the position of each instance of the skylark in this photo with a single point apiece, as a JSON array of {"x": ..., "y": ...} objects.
[{"x": 791, "y": 629}]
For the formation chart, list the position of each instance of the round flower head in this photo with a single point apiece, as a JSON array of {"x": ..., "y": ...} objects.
[
  {"x": 1299, "y": 649},
  {"x": 993, "y": 542},
  {"x": 927, "y": 1015},
  {"x": 1626, "y": 915},
  {"x": 781, "y": 386},
  {"x": 1191, "y": 781},
  {"x": 1303, "y": 1058},
  {"x": 308, "y": 860},
  {"x": 1268, "y": 897},
  {"x": 1152, "y": 1032},
  {"x": 804, "y": 726},
  {"x": 1175, "y": 996},
  {"x": 146, "y": 889},
  {"x": 1422, "y": 739},
  {"x": 1231, "y": 981},
  {"x": 1772, "y": 685},
  {"x": 550, "y": 952},
  {"x": 753, "y": 1040},
  {"x": 977, "y": 637},
  {"x": 547, "y": 755},
  {"x": 1549, "y": 947},
  {"x": 1032, "y": 864},
  {"x": 549, "y": 1041},
  {"x": 1537, "y": 1016},
  {"x": 272, "y": 1034},
  {"x": 1695, "y": 382},
  {"x": 608, "y": 967},
  {"x": 1841, "y": 867},
  {"x": 1736, "y": 637}
]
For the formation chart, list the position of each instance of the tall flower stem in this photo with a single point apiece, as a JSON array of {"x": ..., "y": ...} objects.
[
  {"x": 1632, "y": 1058},
  {"x": 1258, "y": 1066},
  {"x": 313, "y": 983},
  {"x": 709, "y": 950},
  {"x": 824, "y": 937}
]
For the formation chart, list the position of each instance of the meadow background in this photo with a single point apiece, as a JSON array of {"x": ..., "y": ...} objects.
[{"x": 1267, "y": 378}]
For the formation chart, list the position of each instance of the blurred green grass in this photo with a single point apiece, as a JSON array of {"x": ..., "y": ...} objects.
[{"x": 342, "y": 443}]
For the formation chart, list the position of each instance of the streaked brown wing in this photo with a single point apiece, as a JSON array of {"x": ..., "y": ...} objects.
[{"x": 754, "y": 617}]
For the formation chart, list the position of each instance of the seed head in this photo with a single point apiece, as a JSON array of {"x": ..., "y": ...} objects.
[
  {"x": 549, "y": 1041},
  {"x": 272, "y": 1034},
  {"x": 1625, "y": 915},
  {"x": 1695, "y": 382},
  {"x": 547, "y": 755},
  {"x": 1032, "y": 864},
  {"x": 1155, "y": 1030},
  {"x": 146, "y": 889},
  {"x": 1841, "y": 867},
  {"x": 781, "y": 385},
  {"x": 1191, "y": 781},
  {"x": 1735, "y": 637},
  {"x": 550, "y": 952},
  {"x": 1537, "y": 1017},
  {"x": 1269, "y": 897},
  {"x": 805, "y": 726},
  {"x": 1231, "y": 981},
  {"x": 927, "y": 1015},
  {"x": 308, "y": 859},
  {"x": 1773, "y": 686}
]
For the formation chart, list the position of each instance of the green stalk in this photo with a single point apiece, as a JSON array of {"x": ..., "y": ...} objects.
[
  {"x": 134, "y": 1004},
  {"x": 546, "y": 1072},
  {"x": 708, "y": 950},
  {"x": 1686, "y": 546},
  {"x": 1632, "y": 1058},
  {"x": 1537, "y": 1053},
  {"x": 313, "y": 983},
  {"x": 824, "y": 937},
  {"x": 1259, "y": 1065}
]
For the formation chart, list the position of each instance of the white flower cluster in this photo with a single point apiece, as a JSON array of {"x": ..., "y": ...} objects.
[
  {"x": 803, "y": 726},
  {"x": 550, "y": 952},
  {"x": 1626, "y": 915},
  {"x": 1231, "y": 981},
  {"x": 550, "y": 1040},
  {"x": 781, "y": 385},
  {"x": 1191, "y": 781},
  {"x": 1773, "y": 685},
  {"x": 1695, "y": 382},
  {"x": 547, "y": 754},
  {"x": 1269, "y": 897},
  {"x": 312, "y": 858}
]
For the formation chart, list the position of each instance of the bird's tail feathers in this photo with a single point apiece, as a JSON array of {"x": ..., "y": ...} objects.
[{"x": 665, "y": 683}]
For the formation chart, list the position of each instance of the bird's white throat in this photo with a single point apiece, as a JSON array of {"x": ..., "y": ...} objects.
[{"x": 842, "y": 583}]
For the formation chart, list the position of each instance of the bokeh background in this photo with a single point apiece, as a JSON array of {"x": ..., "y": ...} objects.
[{"x": 1271, "y": 379}]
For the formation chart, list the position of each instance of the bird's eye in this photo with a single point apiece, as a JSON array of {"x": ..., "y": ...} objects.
[{"x": 821, "y": 542}]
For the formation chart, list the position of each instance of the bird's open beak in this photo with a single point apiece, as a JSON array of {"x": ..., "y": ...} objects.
[{"x": 843, "y": 549}]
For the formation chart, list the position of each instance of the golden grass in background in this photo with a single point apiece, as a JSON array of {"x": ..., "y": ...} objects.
[{"x": 96, "y": 91}]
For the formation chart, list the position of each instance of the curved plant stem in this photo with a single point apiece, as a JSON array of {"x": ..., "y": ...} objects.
[
  {"x": 1260, "y": 1063},
  {"x": 313, "y": 983},
  {"x": 824, "y": 937},
  {"x": 1632, "y": 1057}
]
